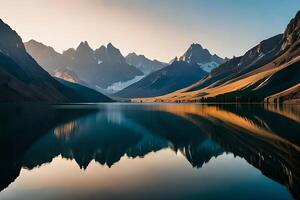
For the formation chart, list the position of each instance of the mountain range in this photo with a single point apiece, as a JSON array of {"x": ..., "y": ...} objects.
[
  {"x": 267, "y": 72},
  {"x": 98, "y": 68},
  {"x": 22, "y": 79},
  {"x": 106, "y": 70},
  {"x": 193, "y": 65}
]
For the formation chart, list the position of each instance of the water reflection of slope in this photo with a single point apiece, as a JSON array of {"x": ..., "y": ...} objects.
[{"x": 248, "y": 133}]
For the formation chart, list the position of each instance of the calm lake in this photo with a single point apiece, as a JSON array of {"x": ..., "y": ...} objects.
[{"x": 149, "y": 151}]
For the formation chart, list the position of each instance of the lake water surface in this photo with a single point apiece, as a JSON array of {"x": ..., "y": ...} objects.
[{"x": 149, "y": 151}]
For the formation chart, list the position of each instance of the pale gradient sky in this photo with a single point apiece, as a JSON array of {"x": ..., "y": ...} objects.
[{"x": 160, "y": 29}]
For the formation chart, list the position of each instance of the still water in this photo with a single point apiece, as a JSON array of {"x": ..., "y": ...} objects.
[{"x": 149, "y": 151}]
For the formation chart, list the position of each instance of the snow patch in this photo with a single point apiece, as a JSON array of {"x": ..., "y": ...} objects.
[
  {"x": 208, "y": 67},
  {"x": 284, "y": 45},
  {"x": 118, "y": 86}
]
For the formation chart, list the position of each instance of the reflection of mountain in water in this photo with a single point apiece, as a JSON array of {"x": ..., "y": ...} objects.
[
  {"x": 21, "y": 126},
  {"x": 265, "y": 138},
  {"x": 106, "y": 139}
]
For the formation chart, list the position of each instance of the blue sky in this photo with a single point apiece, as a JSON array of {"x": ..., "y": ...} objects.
[{"x": 159, "y": 29}]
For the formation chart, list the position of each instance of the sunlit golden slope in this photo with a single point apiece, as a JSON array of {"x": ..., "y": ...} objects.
[
  {"x": 261, "y": 77},
  {"x": 290, "y": 92}
]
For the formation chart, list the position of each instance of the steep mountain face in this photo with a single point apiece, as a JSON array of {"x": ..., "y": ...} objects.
[
  {"x": 99, "y": 69},
  {"x": 83, "y": 93},
  {"x": 196, "y": 54},
  {"x": 112, "y": 67},
  {"x": 144, "y": 64},
  {"x": 268, "y": 71},
  {"x": 46, "y": 56},
  {"x": 22, "y": 79},
  {"x": 178, "y": 75}
]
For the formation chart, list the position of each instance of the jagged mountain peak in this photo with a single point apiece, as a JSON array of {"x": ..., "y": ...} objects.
[
  {"x": 196, "y": 45},
  {"x": 132, "y": 54},
  {"x": 102, "y": 47},
  {"x": 84, "y": 45},
  {"x": 84, "y": 49},
  {"x": 109, "y": 54},
  {"x": 194, "y": 50},
  {"x": 174, "y": 60},
  {"x": 34, "y": 42},
  {"x": 39, "y": 45},
  {"x": 110, "y": 45},
  {"x": 69, "y": 51},
  {"x": 198, "y": 55},
  {"x": 10, "y": 40}
]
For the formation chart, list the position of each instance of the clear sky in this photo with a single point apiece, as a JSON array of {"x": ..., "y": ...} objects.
[{"x": 160, "y": 29}]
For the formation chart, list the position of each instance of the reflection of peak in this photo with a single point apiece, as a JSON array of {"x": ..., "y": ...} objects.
[
  {"x": 83, "y": 161},
  {"x": 199, "y": 154}
]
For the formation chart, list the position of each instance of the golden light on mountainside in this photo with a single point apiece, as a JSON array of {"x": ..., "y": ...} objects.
[{"x": 230, "y": 86}]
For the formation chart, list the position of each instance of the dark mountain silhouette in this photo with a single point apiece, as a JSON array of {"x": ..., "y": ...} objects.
[
  {"x": 22, "y": 79},
  {"x": 98, "y": 68},
  {"x": 144, "y": 64},
  {"x": 178, "y": 75},
  {"x": 83, "y": 93}
]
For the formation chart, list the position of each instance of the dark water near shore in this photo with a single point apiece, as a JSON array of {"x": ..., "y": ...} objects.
[{"x": 149, "y": 151}]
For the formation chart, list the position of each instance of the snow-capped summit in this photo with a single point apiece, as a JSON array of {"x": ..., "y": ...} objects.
[{"x": 196, "y": 54}]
